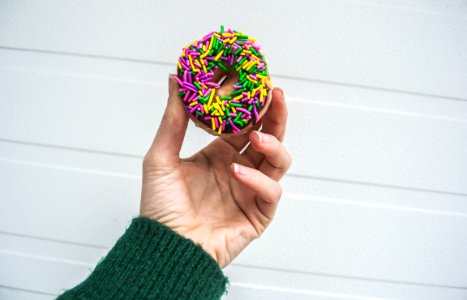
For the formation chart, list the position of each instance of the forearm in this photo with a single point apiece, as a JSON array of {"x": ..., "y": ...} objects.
[{"x": 150, "y": 261}]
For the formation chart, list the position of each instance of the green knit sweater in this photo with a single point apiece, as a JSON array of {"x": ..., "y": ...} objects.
[{"x": 150, "y": 261}]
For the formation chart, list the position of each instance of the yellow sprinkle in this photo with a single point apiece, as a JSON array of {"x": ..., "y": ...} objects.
[
  {"x": 254, "y": 81},
  {"x": 179, "y": 66},
  {"x": 193, "y": 103},
  {"x": 238, "y": 97},
  {"x": 246, "y": 65},
  {"x": 234, "y": 110},
  {"x": 232, "y": 40},
  {"x": 220, "y": 120},
  {"x": 210, "y": 43},
  {"x": 246, "y": 51},
  {"x": 191, "y": 62},
  {"x": 261, "y": 76},
  {"x": 253, "y": 92},
  {"x": 211, "y": 97},
  {"x": 205, "y": 108},
  {"x": 261, "y": 96},
  {"x": 218, "y": 55},
  {"x": 217, "y": 107},
  {"x": 251, "y": 66},
  {"x": 252, "y": 39},
  {"x": 213, "y": 126},
  {"x": 220, "y": 130}
]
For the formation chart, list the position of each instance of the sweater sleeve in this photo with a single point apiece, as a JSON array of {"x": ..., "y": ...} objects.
[{"x": 150, "y": 261}]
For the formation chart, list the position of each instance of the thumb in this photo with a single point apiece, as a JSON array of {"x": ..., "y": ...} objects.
[{"x": 169, "y": 138}]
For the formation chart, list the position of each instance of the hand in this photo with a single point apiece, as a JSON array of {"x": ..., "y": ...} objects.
[{"x": 218, "y": 198}]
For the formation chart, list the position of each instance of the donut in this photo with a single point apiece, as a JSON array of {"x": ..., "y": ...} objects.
[{"x": 224, "y": 82}]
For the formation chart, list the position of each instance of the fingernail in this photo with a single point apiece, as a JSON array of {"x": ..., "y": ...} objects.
[
  {"x": 260, "y": 136},
  {"x": 282, "y": 94},
  {"x": 239, "y": 169}
]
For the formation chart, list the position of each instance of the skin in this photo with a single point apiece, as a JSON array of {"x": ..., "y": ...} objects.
[{"x": 219, "y": 198}]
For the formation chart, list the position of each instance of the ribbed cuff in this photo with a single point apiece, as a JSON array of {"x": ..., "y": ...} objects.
[{"x": 150, "y": 261}]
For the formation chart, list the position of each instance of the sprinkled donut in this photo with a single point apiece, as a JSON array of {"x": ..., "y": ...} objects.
[{"x": 224, "y": 82}]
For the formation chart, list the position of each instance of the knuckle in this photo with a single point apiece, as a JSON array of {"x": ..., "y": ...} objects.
[{"x": 278, "y": 191}]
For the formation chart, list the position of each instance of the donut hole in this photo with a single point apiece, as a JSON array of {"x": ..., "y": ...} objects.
[{"x": 226, "y": 80}]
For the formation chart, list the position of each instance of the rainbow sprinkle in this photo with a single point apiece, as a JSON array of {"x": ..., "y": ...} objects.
[{"x": 206, "y": 64}]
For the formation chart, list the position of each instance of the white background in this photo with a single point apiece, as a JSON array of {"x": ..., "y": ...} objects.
[{"x": 374, "y": 206}]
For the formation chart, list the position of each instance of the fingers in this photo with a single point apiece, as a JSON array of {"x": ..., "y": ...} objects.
[
  {"x": 275, "y": 120},
  {"x": 277, "y": 159},
  {"x": 269, "y": 191},
  {"x": 169, "y": 138},
  {"x": 274, "y": 123}
]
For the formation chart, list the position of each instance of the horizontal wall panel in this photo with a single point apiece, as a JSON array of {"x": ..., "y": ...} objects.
[
  {"x": 386, "y": 46},
  {"x": 130, "y": 167},
  {"x": 19, "y": 294},
  {"x": 334, "y": 236},
  {"x": 337, "y": 141},
  {"x": 28, "y": 255}
]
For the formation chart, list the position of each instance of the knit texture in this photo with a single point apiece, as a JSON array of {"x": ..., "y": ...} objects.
[{"x": 151, "y": 261}]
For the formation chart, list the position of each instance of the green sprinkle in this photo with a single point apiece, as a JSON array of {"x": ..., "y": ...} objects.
[
  {"x": 238, "y": 51},
  {"x": 242, "y": 37},
  {"x": 241, "y": 62},
  {"x": 250, "y": 107},
  {"x": 181, "y": 94},
  {"x": 222, "y": 28},
  {"x": 222, "y": 66},
  {"x": 235, "y": 104},
  {"x": 257, "y": 103},
  {"x": 226, "y": 98},
  {"x": 238, "y": 92},
  {"x": 238, "y": 117},
  {"x": 197, "y": 85}
]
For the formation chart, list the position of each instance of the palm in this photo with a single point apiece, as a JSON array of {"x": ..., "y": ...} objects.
[
  {"x": 201, "y": 197},
  {"x": 218, "y": 198}
]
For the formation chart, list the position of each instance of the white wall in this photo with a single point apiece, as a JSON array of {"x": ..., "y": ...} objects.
[{"x": 374, "y": 206}]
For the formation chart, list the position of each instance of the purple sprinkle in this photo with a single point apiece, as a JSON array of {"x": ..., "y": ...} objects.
[
  {"x": 233, "y": 126},
  {"x": 256, "y": 114},
  {"x": 186, "y": 96},
  {"x": 243, "y": 110},
  {"x": 212, "y": 84}
]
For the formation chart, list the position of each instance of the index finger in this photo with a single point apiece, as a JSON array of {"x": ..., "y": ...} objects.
[{"x": 275, "y": 122}]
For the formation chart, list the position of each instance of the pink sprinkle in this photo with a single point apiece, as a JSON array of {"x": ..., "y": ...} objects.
[
  {"x": 207, "y": 92},
  {"x": 217, "y": 123},
  {"x": 235, "y": 128},
  {"x": 178, "y": 80},
  {"x": 212, "y": 84},
  {"x": 256, "y": 114},
  {"x": 186, "y": 96},
  {"x": 243, "y": 110}
]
